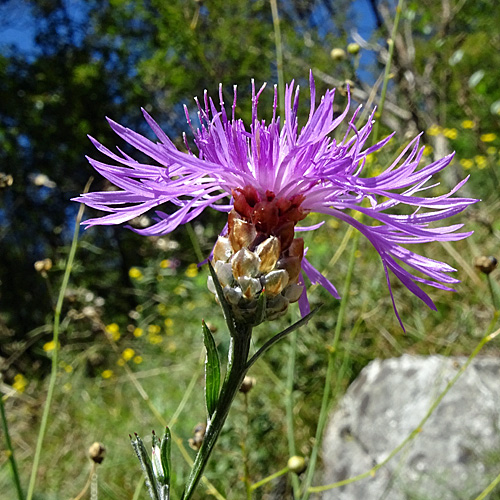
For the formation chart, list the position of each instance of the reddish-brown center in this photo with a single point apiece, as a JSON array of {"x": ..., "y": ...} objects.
[{"x": 271, "y": 216}]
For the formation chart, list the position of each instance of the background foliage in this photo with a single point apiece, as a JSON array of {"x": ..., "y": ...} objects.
[{"x": 137, "y": 302}]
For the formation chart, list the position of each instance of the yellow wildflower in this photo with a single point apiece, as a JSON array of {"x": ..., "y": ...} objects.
[
  {"x": 128, "y": 354},
  {"x": 192, "y": 271},
  {"x": 138, "y": 332},
  {"x": 20, "y": 382},
  {"x": 107, "y": 374},
  {"x": 154, "y": 329},
  {"x": 450, "y": 133},
  {"x": 135, "y": 273},
  {"x": 49, "y": 346},
  {"x": 467, "y": 124},
  {"x": 434, "y": 130},
  {"x": 466, "y": 163},
  {"x": 488, "y": 137}
]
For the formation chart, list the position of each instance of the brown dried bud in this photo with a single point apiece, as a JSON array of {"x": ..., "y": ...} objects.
[
  {"x": 268, "y": 252},
  {"x": 222, "y": 249},
  {"x": 242, "y": 234},
  {"x": 247, "y": 384},
  {"x": 97, "y": 451},
  {"x": 245, "y": 263},
  {"x": 485, "y": 264},
  {"x": 198, "y": 435},
  {"x": 275, "y": 282}
]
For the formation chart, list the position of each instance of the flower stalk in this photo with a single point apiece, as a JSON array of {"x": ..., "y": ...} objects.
[{"x": 235, "y": 373}]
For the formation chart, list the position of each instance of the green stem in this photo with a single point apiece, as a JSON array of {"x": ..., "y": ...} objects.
[
  {"x": 264, "y": 481},
  {"x": 55, "y": 353},
  {"x": 387, "y": 74},
  {"x": 194, "y": 241},
  {"x": 492, "y": 292},
  {"x": 236, "y": 370},
  {"x": 244, "y": 450},
  {"x": 281, "y": 335},
  {"x": 289, "y": 408},
  {"x": 488, "y": 489},
  {"x": 279, "y": 56},
  {"x": 10, "y": 451},
  {"x": 325, "y": 402}
]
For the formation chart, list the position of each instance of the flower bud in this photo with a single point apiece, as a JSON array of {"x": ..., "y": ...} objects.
[
  {"x": 296, "y": 464},
  {"x": 43, "y": 265},
  {"x": 247, "y": 384},
  {"x": 198, "y": 435},
  {"x": 97, "y": 451},
  {"x": 485, "y": 264},
  {"x": 353, "y": 48},
  {"x": 337, "y": 54}
]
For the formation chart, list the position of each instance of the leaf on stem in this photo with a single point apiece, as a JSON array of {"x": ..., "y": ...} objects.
[
  {"x": 212, "y": 371},
  {"x": 165, "y": 447},
  {"x": 146, "y": 465}
]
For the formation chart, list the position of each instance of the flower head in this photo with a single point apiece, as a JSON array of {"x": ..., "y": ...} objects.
[{"x": 268, "y": 177}]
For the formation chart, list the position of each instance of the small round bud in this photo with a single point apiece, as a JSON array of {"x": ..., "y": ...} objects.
[
  {"x": 485, "y": 264},
  {"x": 6, "y": 180},
  {"x": 297, "y": 464},
  {"x": 198, "y": 435},
  {"x": 43, "y": 265},
  {"x": 97, "y": 452},
  {"x": 353, "y": 48},
  {"x": 337, "y": 54},
  {"x": 247, "y": 384}
]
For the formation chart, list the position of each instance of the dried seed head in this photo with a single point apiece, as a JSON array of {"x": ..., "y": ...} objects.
[
  {"x": 247, "y": 384},
  {"x": 97, "y": 451},
  {"x": 198, "y": 435},
  {"x": 485, "y": 264}
]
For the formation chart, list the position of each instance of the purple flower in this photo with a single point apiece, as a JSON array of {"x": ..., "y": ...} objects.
[{"x": 272, "y": 175}]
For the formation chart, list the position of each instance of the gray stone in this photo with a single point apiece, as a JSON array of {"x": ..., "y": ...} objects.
[{"x": 457, "y": 452}]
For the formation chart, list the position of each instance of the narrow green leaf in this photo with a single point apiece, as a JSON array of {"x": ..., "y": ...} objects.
[
  {"x": 146, "y": 465},
  {"x": 226, "y": 308},
  {"x": 165, "y": 447},
  {"x": 212, "y": 371}
]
